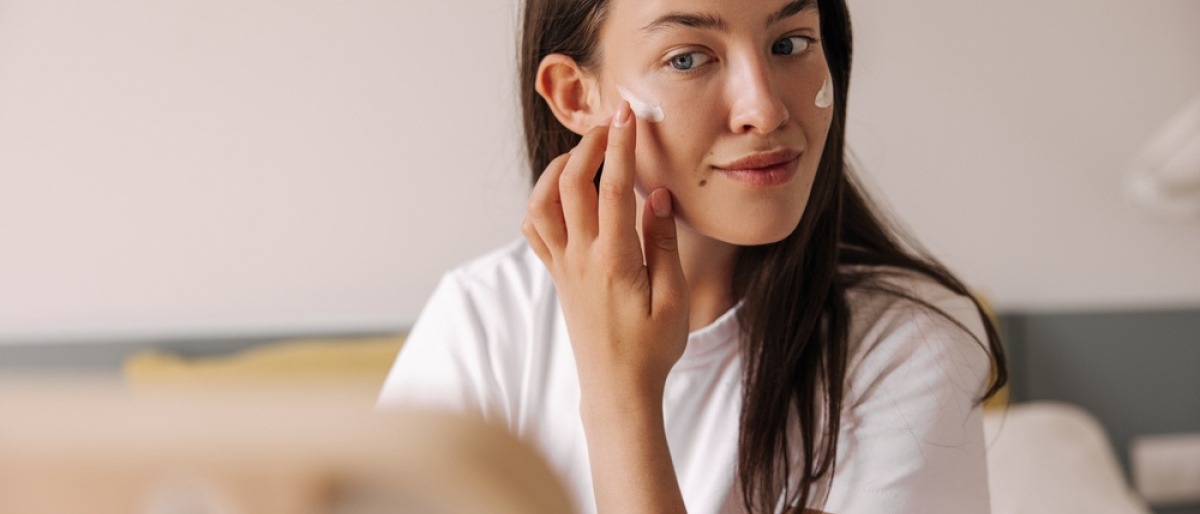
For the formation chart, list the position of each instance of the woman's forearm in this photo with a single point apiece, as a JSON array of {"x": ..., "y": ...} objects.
[{"x": 632, "y": 470}]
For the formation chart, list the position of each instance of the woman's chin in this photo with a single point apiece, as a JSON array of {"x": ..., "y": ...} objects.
[
  {"x": 748, "y": 229},
  {"x": 760, "y": 240},
  {"x": 755, "y": 235}
]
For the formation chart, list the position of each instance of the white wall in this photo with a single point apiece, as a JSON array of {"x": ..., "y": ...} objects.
[
  {"x": 1002, "y": 132},
  {"x": 207, "y": 167},
  {"x": 216, "y": 166}
]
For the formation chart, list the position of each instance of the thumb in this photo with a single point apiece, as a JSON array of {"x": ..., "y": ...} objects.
[{"x": 662, "y": 249}]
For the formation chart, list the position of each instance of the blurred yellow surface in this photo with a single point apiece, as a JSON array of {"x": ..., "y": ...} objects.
[{"x": 362, "y": 361}]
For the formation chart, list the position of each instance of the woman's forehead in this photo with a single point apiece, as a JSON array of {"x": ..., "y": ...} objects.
[{"x": 655, "y": 15}]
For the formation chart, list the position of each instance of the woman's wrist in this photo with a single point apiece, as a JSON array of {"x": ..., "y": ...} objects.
[
  {"x": 621, "y": 401},
  {"x": 632, "y": 470}
]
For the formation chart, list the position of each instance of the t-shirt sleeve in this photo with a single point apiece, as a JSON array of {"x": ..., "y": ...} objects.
[
  {"x": 444, "y": 363},
  {"x": 911, "y": 438}
]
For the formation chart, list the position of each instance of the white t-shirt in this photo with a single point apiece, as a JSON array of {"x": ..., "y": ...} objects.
[{"x": 492, "y": 341}]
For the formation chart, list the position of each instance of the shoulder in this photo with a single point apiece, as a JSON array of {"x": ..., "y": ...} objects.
[
  {"x": 470, "y": 340},
  {"x": 890, "y": 296},
  {"x": 493, "y": 301},
  {"x": 501, "y": 284},
  {"x": 512, "y": 268},
  {"x": 902, "y": 319},
  {"x": 911, "y": 436}
]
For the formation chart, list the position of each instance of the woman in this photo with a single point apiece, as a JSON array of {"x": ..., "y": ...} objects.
[{"x": 718, "y": 321}]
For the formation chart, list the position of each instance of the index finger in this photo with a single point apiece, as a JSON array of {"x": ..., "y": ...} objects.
[{"x": 617, "y": 205}]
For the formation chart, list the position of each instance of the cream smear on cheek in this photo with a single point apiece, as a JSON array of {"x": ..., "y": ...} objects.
[
  {"x": 825, "y": 95},
  {"x": 642, "y": 109}
]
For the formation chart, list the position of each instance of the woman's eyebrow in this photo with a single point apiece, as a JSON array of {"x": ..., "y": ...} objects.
[
  {"x": 678, "y": 19},
  {"x": 711, "y": 22},
  {"x": 791, "y": 9}
]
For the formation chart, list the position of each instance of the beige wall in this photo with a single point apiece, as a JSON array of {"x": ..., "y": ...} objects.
[
  {"x": 204, "y": 167},
  {"x": 216, "y": 166},
  {"x": 1003, "y": 131}
]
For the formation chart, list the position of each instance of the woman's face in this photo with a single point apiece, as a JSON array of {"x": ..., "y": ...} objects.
[{"x": 745, "y": 119}]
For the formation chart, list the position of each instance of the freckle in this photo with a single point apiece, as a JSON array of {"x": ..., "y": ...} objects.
[{"x": 703, "y": 183}]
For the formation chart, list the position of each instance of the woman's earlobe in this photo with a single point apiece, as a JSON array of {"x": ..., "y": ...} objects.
[{"x": 571, "y": 95}]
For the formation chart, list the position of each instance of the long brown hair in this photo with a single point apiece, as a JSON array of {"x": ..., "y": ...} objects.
[{"x": 795, "y": 317}]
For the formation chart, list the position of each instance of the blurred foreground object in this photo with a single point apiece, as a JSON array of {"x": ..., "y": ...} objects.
[
  {"x": 1166, "y": 178},
  {"x": 74, "y": 446}
]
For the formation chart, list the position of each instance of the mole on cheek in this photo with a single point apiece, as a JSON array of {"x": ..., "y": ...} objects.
[{"x": 703, "y": 183}]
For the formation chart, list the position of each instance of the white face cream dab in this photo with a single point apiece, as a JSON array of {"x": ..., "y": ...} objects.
[
  {"x": 642, "y": 109},
  {"x": 825, "y": 95}
]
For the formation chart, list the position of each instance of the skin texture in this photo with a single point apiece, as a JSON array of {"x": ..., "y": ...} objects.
[{"x": 647, "y": 256}]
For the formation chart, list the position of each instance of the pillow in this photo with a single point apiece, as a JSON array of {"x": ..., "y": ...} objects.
[{"x": 1054, "y": 458}]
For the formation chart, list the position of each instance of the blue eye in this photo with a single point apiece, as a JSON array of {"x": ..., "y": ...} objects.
[
  {"x": 688, "y": 61},
  {"x": 791, "y": 45}
]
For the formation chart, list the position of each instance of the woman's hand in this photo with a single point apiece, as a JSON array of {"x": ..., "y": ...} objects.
[{"x": 626, "y": 312}]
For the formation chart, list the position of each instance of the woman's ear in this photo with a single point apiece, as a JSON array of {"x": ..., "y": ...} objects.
[{"x": 571, "y": 93}]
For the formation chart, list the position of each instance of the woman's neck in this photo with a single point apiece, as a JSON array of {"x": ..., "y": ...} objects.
[{"x": 708, "y": 269}]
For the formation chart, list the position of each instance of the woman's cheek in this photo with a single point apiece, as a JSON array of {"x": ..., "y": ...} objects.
[
  {"x": 663, "y": 154},
  {"x": 650, "y": 164}
]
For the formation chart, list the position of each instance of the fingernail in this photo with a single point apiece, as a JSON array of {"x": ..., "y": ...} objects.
[
  {"x": 661, "y": 203},
  {"x": 621, "y": 117}
]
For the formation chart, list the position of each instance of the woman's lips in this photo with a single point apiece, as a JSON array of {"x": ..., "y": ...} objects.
[{"x": 763, "y": 169}]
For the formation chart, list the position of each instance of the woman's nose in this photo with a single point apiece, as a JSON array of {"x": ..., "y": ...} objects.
[{"x": 756, "y": 107}]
